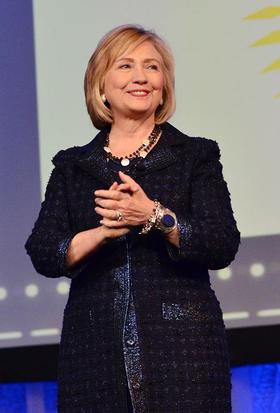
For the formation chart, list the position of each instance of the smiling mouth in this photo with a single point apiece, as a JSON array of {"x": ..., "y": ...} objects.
[{"x": 139, "y": 92}]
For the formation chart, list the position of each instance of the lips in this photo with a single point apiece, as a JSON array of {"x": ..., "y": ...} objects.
[{"x": 139, "y": 92}]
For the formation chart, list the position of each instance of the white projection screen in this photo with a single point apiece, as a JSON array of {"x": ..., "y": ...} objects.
[{"x": 227, "y": 88}]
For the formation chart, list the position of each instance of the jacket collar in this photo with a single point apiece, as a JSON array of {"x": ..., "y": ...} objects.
[{"x": 91, "y": 157}]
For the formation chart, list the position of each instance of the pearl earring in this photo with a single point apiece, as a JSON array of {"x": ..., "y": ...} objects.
[
  {"x": 103, "y": 97},
  {"x": 161, "y": 102}
]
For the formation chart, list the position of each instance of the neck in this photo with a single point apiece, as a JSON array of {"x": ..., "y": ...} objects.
[{"x": 127, "y": 129}]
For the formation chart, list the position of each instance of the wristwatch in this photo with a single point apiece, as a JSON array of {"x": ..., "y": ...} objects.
[{"x": 166, "y": 221}]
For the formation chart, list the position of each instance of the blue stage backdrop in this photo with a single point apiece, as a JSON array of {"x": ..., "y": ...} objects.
[{"x": 256, "y": 389}]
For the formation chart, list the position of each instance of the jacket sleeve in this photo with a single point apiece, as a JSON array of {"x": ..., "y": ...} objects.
[
  {"x": 208, "y": 233},
  {"x": 48, "y": 243}
]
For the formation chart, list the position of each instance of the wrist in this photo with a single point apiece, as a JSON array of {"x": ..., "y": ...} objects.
[
  {"x": 149, "y": 211},
  {"x": 173, "y": 237},
  {"x": 161, "y": 218},
  {"x": 166, "y": 220},
  {"x": 103, "y": 234},
  {"x": 151, "y": 221}
]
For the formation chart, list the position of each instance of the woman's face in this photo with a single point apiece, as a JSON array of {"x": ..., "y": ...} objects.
[{"x": 134, "y": 84}]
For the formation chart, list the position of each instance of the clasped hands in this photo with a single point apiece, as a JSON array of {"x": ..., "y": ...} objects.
[{"x": 126, "y": 201}]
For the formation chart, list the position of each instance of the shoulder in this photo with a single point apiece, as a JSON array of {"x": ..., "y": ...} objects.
[
  {"x": 65, "y": 155},
  {"x": 196, "y": 146},
  {"x": 75, "y": 153}
]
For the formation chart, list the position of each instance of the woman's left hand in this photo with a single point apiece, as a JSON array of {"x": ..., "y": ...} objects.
[{"x": 128, "y": 202}]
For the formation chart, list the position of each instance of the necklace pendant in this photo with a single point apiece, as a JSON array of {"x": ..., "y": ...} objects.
[{"x": 125, "y": 162}]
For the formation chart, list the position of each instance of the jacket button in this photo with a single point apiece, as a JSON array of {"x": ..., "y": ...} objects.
[{"x": 130, "y": 342}]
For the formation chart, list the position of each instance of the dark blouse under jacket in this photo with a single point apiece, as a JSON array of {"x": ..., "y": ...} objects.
[{"x": 140, "y": 310}]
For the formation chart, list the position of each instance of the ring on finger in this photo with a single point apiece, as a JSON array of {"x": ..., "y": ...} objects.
[{"x": 119, "y": 215}]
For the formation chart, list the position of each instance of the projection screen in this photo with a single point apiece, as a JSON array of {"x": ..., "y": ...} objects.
[{"x": 227, "y": 89}]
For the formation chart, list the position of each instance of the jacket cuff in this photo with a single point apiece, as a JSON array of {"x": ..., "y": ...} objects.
[
  {"x": 185, "y": 236},
  {"x": 61, "y": 257}
]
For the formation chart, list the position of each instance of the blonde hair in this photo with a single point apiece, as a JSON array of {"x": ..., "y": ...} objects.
[{"x": 116, "y": 42}]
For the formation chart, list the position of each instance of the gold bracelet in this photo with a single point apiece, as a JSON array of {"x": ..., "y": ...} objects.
[{"x": 153, "y": 218}]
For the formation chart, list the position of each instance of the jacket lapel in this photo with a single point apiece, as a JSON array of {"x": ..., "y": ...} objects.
[
  {"x": 92, "y": 160},
  {"x": 92, "y": 157},
  {"x": 164, "y": 153}
]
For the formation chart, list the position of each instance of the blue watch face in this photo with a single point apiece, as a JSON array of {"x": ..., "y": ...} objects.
[{"x": 168, "y": 220}]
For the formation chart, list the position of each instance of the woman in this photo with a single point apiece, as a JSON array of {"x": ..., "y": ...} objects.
[{"x": 136, "y": 218}]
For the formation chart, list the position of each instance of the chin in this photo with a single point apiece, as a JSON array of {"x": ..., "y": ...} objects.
[
  {"x": 138, "y": 114},
  {"x": 142, "y": 108}
]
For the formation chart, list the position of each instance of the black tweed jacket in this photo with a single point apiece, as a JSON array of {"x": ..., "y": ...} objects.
[{"x": 182, "y": 349}]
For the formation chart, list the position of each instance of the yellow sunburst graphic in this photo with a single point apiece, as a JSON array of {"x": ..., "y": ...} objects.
[
  {"x": 266, "y": 13},
  {"x": 269, "y": 12}
]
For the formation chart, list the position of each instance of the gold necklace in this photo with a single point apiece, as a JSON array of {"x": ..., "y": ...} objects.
[{"x": 140, "y": 152}]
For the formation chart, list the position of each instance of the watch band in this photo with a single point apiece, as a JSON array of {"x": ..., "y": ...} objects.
[
  {"x": 167, "y": 220},
  {"x": 161, "y": 218}
]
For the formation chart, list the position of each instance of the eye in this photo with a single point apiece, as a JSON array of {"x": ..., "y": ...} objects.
[
  {"x": 125, "y": 66},
  {"x": 153, "y": 67}
]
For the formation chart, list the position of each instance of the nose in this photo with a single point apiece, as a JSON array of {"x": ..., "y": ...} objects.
[{"x": 139, "y": 75}]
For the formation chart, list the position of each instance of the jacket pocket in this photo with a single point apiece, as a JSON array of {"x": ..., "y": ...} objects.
[{"x": 191, "y": 310}]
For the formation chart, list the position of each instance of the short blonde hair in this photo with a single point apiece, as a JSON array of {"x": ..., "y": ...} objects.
[{"x": 111, "y": 46}]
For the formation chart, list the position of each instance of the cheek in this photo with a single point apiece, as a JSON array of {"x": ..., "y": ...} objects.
[
  {"x": 159, "y": 83},
  {"x": 114, "y": 82},
  {"x": 109, "y": 84}
]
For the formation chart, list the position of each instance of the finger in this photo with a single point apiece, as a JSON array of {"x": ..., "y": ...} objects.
[
  {"x": 134, "y": 187},
  {"x": 113, "y": 186},
  {"x": 112, "y": 223},
  {"x": 110, "y": 194},
  {"x": 124, "y": 187},
  {"x": 106, "y": 203},
  {"x": 106, "y": 213}
]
